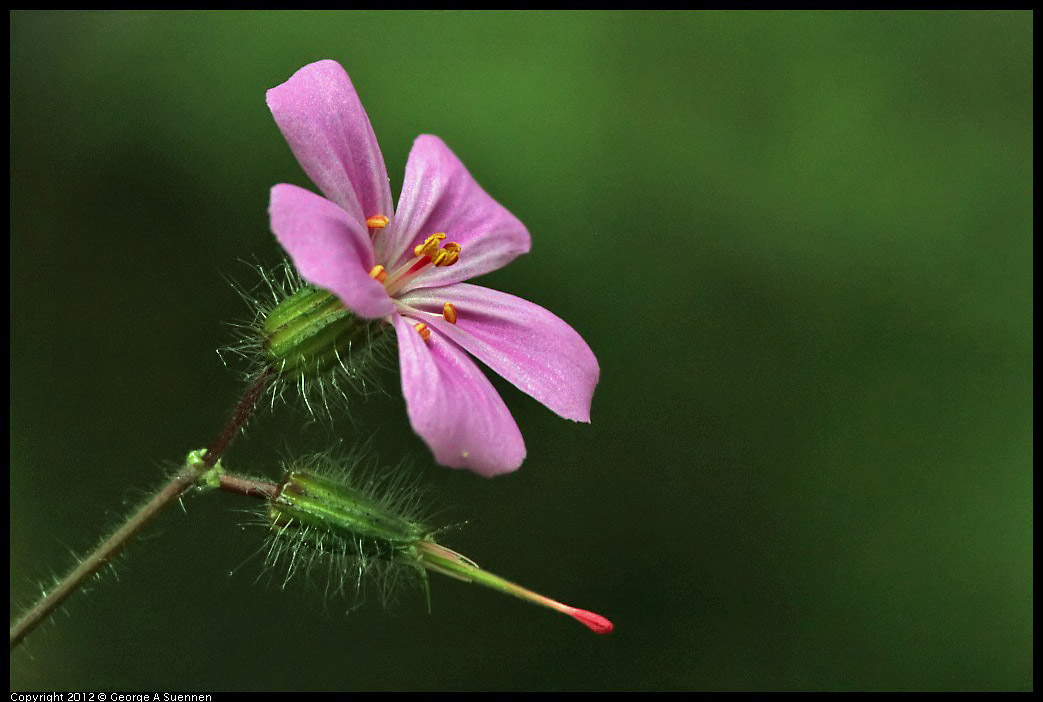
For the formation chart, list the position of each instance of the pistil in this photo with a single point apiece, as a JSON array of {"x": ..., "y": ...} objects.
[{"x": 440, "y": 559}]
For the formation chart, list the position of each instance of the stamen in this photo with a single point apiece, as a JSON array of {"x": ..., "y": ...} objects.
[
  {"x": 379, "y": 272},
  {"x": 418, "y": 266},
  {"x": 377, "y": 222},
  {"x": 448, "y": 255},
  {"x": 404, "y": 272},
  {"x": 422, "y": 330},
  {"x": 427, "y": 254},
  {"x": 449, "y": 312},
  {"x": 430, "y": 245}
]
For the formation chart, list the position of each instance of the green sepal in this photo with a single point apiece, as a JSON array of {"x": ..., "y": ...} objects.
[{"x": 311, "y": 332}]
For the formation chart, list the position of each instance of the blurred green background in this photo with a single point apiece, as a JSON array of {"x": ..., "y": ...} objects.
[{"x": 799, "y": 244}]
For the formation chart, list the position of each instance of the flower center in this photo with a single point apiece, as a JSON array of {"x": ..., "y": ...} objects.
[{"x": 430, "y": 253}]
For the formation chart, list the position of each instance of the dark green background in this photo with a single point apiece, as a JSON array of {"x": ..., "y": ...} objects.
[{"x": 799, "y": 244}]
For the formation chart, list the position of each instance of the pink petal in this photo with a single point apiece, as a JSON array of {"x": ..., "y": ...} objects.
[
  {"x": 319, "y": 113},
  {"x": 439, "y": 195},
  {"x": 533, "y": 349},
  {"x": 455, "y": 408},
  {"x": 329, "y": 248}
]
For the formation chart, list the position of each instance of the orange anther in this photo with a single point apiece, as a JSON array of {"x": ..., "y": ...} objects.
[
  {"x": 449, "y": 312},
  {"x": 423, "y": 331},
  {"x": 430, "y": 245},
  {"x": 377, "y": 222},
  {"x": 446, "y": 258},
  {"x": 379, "y": 273}
]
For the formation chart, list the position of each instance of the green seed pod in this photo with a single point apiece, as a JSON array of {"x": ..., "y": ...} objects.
[
  {"x": 344, "y": 518},
  {"x": 329, "y": 516},
  {"x": 314, "y": 503}
]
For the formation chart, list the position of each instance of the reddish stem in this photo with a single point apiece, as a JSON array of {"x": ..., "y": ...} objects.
[
  {"x": 166, "y": 495},
  {"x": 102, "y": 555},
  {"x": 258, "y": 489},
  {"x": 242, "y": 412}
]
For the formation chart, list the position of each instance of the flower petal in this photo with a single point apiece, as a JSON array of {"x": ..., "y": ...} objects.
[
  {"x": 454, "y": 407},
  {"x": 439, "y": 195},
  {"x": 329, "y": 248},
  {"x": 319, "y": 113},
  {"x": 532, "y": 348}
]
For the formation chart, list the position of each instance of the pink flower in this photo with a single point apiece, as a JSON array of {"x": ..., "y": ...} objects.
[{"x": 407, "y": 266}]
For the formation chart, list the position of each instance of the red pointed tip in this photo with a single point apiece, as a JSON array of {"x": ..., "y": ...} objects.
[{"x": 595, "y": 622}]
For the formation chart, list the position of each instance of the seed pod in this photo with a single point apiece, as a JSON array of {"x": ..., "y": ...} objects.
[
  {"x": 314, "y": 503},
  {"x": 328, "y": 515}
]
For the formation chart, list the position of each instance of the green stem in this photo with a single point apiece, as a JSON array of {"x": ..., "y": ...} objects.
[
  {"x": 101, "y": 556},
  {"x": 185, "y": 478}
]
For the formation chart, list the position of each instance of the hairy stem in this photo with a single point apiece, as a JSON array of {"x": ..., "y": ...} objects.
[
  {"x": 242, "y": 412},
  {"x": 251, "y": 487},
  {"x": 101, "y": 556},
  {"x": 184, "y": 479}
]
